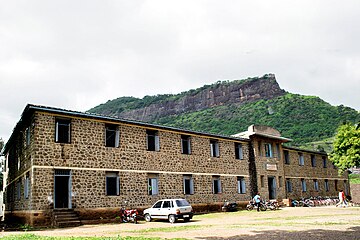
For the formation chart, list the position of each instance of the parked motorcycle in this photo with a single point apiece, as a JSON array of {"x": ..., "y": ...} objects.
[
  {"x": 251, "y": 205},
  {"x": 229, "y": 206},
  {"x": 272, "y": 205},
  {"x": 129, "y": 215}
]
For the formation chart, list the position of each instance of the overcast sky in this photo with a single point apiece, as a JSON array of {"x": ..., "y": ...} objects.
[{"x": 78, "y": 54}]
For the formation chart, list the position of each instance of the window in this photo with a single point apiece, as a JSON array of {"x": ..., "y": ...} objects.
[
  {"x": 62, "y": 131},
  {"x": 27, "y": 136},
  {"x": 112, "y": 184},
  {"x": 324, "y": 162},
  {"x": 259, "y": 148},
  {"x": 216, "y": 185},
  {"x": 26, "y": 185},
  {"x": 316, "y": 185},
  {"x": 262, "y": 182},
  {"x": 214, "y": 148},
  {"x": 301, "y": 159},
  {"x": 280, "y": 181},
  {"x": 158, "y": 204},
  {"x": 188, "y": 185},
  {"x": 241, "y": 185},
  {"x": 268, "y": 150},
  {"x": 167, "y": 204},
  {"x": 313, "y": 161},
  {"x": 18, "y": 163},
  {"x": 153, "y": 188},
  {"x": 327, "y": 185},
  {"x": 288, "y": 185},
  {"x": 238, "y": 151},
  {"x": 18, "y": 189},
  {"x": 153, "y": 141},
  {"x": 346, "y": 190},
  {"x": 303, "y": 185},
  {"x": 112, "y": 135},
  {"x": 278, "y": 153},
  {"x": 286, "y": 157},
  {"x": 185, "y": 144},
  {"x": 336, "y": 185}
]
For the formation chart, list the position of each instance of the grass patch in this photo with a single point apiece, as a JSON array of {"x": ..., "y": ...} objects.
[
  {"x": 171, "y": 229},
  {"x": 36, "y": 237}
]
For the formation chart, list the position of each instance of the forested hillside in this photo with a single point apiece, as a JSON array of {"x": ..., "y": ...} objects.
[{"x": 230, "y": 107}]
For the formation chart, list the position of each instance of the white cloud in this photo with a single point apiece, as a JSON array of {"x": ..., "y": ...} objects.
[{"x": 78, "y": 54}]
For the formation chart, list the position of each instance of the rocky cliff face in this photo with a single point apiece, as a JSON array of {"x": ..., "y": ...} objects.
[{"x": 238, "y": 92}]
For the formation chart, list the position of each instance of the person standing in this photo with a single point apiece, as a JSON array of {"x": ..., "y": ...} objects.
[
  {"x": 257, "y": 200},
  {"x": 341, "y": 199}
]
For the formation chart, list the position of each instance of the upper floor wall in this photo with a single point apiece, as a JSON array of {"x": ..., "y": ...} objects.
[
  {"x": 90, "y": 143},
  {"x": 299, "y": 163}
]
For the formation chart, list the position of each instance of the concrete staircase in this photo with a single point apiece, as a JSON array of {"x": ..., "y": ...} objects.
[{"x": 65, "y": 218}]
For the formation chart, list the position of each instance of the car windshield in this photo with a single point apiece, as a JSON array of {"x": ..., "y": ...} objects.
[{"x": 182, "y": 203}]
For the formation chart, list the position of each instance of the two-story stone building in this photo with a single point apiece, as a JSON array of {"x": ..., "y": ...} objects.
[{"x": 59, "y": 159}]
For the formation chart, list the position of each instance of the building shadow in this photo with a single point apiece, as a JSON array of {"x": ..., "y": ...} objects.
[{"x": 314, "y": 234}]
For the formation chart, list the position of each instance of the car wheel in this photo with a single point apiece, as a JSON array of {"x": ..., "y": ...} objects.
[
  {"x": 147, "y": 217},
  {"x": 172, "y": 219}
]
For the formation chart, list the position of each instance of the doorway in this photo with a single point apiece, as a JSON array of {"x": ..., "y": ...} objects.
[
  {"x": 272, "y": 187},
  {"x": 62, "y": 188}
]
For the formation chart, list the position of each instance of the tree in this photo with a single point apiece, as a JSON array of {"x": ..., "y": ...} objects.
[{"x": 346, "y": 153}]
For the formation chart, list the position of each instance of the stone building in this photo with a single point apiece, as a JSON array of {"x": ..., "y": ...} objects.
[{"x": 60, "y": 159}]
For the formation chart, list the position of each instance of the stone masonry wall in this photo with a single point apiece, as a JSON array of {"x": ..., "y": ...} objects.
[
  {"x": 263, "y": 172},
  {"x": 294, "y": 172},
  {"x": 89, "y": 159}
]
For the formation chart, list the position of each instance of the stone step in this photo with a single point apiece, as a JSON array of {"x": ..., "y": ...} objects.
[{"x": 66, "y": 218}]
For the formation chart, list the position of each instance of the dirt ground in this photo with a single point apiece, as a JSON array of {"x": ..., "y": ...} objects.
[{"x": 287, "y": 223}]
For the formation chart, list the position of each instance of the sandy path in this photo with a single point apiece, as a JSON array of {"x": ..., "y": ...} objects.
[{"x": 290, "y": 223}]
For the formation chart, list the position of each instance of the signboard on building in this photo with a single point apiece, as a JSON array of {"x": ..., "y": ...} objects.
[{"x": 271, "y": 167}]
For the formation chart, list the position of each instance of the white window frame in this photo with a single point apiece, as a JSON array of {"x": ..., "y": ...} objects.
[
  {"x": 303, "y": 185},
  {"x": 241, "y": 185},
  {"x": 155, "y": 134},
  {"x": 153, "y": 185},
  {"x": 191, "y": 184},
  {"x": 117, "y": 135},
  {"x": 239, "y": 151},
  {"x": 57, "y": 130},
  {"x": 27, "y": 136},
  {"x": 214, "y": 148},
  {"x": 316, "y": 185},
  {"x": 268, "y": 150},
  {"x": 301, "y": 159}
]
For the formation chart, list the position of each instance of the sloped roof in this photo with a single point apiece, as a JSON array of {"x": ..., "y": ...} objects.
[{"x": 30, "y": 109}]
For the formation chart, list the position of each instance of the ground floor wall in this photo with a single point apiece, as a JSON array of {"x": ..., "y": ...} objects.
[
  {"x": 314, "y": 187},
  {"x": 97, "y": 194}
]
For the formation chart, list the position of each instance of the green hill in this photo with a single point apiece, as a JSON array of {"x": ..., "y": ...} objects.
[
  {"x": 304, "y": 119},
  {"x": 301, "y": 118}
]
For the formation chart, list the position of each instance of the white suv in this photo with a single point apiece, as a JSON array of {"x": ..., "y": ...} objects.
[{"x": 171, "y": 209}]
